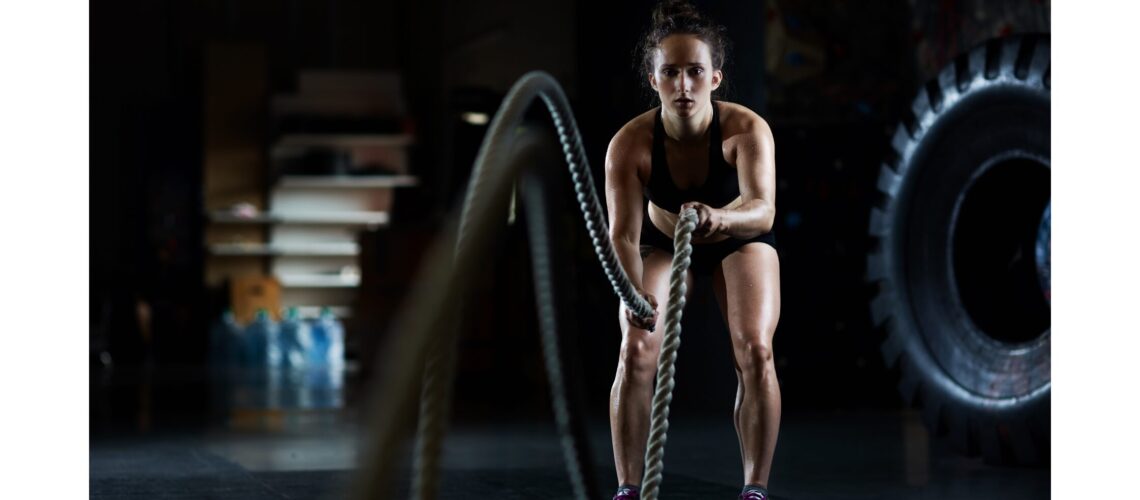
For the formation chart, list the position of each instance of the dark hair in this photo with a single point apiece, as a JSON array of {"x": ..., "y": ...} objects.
[{"x": 672, "y": 17}]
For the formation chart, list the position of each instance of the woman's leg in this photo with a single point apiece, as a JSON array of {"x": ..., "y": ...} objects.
[
  {"x": 718, "y": 289},
  {"x": 748, "y": 289},
  {"x": 632, "y": 391}
]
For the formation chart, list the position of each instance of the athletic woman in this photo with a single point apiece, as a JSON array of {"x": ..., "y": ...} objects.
[{"x": 717, "y": 158}]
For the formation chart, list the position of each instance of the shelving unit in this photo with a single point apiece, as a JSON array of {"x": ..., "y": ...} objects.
[
  {"x": 314, "y": 221},
  {"x": 303, "y": 229},
  {"x": 319, "y": 281},
  {"x": 362, "y": 218},
  {"x": 348, "y": 182},
  {"x": 342, "y": 140},
  {"x": 303, "y": 249}
]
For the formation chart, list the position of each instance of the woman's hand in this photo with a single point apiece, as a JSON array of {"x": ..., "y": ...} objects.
[
  {"x": 648, "y": 323},
  {"x": 709, "y": 220}
]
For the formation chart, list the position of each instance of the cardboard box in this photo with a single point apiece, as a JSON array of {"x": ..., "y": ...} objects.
[{"x": 249, "y": 293}]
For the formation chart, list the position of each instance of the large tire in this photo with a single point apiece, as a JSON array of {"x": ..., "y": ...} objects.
[{"x": 954, "y": 239}]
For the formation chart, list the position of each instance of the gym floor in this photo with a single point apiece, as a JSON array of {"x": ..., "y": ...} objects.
[{"x": 299, "y": 438}]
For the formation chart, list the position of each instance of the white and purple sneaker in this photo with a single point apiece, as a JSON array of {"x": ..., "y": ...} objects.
[{"x": 628, "y": 492}]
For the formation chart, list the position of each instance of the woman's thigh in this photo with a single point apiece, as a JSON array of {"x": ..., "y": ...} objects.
[{"x": 747, "y": 287}]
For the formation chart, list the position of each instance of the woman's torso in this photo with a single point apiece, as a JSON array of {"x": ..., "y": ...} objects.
[{"x": 695, "y": 170}]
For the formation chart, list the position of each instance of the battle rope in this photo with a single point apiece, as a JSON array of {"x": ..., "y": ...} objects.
[
  {"x": 663, "y": 395},
  {"x": 427, "y": 341}
]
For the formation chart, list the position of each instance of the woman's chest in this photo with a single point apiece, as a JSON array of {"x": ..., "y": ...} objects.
[{"x": 691, "y": 166}]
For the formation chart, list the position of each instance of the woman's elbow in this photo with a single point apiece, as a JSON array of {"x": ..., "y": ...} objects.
[
  {"x": 765, "y": 221},
  {"x": 618, "y": 238},
  {"x": 769, "y": 221}
]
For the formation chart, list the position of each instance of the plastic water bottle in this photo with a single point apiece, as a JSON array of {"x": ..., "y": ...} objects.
[
  {"x": 263, "y": 347},
  {"x": 225, "y": 340},
  {"x": 296, "y": 339},
  {"x": 324, "y": 376},
  {"x": 317, "y": 355},
  {"x": 328, "y": 341},
  {"x": 336, "y": 339}
]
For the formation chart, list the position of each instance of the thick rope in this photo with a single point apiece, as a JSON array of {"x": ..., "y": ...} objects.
[
  {"x": 435, "y": 405},
  {"x": 666, "y": 360},
  {"x": 495, "y": 149},
  {"x": 588, "y": 199},
  {"x": 576, "y": 455},
  {"x": 430, "y": 342}
]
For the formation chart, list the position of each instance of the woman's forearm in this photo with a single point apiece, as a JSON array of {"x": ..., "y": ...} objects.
[
  {"x": 629, "y": 255},
  {"x": 752, "y": 218}
]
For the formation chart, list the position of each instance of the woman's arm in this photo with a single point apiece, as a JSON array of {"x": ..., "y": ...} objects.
[
  {"x": 756, "y": 170},
  {"x": 624, "y": 198}
]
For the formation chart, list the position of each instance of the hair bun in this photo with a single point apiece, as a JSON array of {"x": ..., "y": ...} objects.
[{"x": 669, "y": 12}]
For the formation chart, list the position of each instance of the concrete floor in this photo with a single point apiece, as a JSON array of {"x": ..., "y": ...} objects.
[{"x": 295, "y": 438}]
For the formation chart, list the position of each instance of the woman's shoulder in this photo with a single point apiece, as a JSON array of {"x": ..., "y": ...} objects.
[
  {"x": 737, "y": 119},
  {"x": 633, "y": 140},
  {"x": 637, "y": 130},
  {"x": 739, "y": 123}
]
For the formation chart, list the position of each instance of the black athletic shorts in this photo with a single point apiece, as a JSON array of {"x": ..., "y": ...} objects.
[{"x": 705, "y": 256}]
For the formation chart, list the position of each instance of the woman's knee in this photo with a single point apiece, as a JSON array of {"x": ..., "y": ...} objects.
[
  {"x": 753, "y": 353},
  {"x": 639, "y": 355}
]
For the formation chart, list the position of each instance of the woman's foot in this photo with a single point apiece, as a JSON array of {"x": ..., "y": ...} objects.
[
  {"x": 753, "y": 492},
  {"x": 628, "y": 492}
]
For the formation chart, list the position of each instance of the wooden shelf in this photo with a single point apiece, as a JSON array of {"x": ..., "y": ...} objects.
[
  {"x": 318, "y": 281},
  {"x": 342, "y": 140},
  {"x": 332, "y": 218},
  {"x": 347, "y": 181},
  {"x": 291, "y": 249}
]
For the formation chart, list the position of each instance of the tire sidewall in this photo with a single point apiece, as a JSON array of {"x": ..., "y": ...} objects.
[{"x": 983, "y": 126}]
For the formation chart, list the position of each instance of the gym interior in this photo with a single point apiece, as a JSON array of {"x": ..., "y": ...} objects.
[{"x": 274, "y": 184}]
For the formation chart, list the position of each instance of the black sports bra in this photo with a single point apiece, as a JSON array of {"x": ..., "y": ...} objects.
[{"x": 720, "y": 187}]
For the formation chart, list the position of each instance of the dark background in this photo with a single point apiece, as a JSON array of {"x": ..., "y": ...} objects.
[{"x": 831, "y": 106}]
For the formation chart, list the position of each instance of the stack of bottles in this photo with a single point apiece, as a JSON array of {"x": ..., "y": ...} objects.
[{"x": 292, "y": 343}]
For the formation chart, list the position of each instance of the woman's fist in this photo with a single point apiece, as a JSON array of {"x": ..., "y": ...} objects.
[
  {"x": 647, "y": 323},
  {"x": 708, "y": 219}
]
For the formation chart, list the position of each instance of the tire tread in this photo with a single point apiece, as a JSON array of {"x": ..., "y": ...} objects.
[{"x": 1025, "y": 60}]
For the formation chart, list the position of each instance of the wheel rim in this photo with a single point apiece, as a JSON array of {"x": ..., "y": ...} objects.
[{"x": 995, "y": 232}]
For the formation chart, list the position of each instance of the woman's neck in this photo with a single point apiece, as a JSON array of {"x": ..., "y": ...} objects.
[{"x": 684, "y": 129}]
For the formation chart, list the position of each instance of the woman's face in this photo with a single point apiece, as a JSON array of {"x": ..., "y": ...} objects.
[{"x": 683, "y": 75}]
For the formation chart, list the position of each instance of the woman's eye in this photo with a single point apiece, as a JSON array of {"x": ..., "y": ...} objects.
[
  {"x": 696, "y": 71},
  {"x": 670, "y": 72}
]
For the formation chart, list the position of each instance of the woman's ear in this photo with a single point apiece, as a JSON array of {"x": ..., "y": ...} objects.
[
  {"x": 717, "y": 76},
  {"x": 653, "y": 82}
]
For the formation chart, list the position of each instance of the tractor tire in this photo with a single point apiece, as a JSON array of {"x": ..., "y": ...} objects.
[{"x": 960, "y": 290}]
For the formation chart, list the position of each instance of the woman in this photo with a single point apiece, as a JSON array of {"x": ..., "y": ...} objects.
[{"x": 717, "y": 158}]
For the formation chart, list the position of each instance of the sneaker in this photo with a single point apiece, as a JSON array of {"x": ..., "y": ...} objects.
[
  {"x": 753, "y": 493},
  {"x": 628, "y": 493}
]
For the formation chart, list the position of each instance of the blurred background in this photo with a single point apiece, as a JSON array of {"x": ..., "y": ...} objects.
[{"x": 272, "y": 172}]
